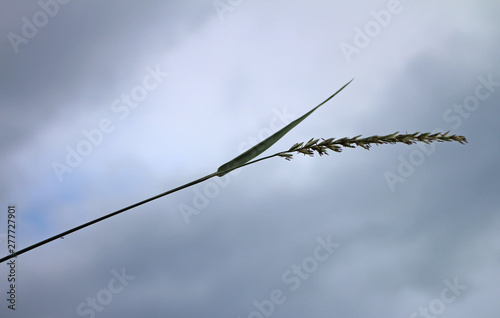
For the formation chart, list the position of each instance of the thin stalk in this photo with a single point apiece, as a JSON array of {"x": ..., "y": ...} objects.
[
  {"x": 60, "y": 235},
  {"x": 102, "y": 218}
]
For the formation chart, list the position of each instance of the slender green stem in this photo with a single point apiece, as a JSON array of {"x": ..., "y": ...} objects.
[
  {"x": 102, "y": 218},
  {"x": 60, "y": 235}
]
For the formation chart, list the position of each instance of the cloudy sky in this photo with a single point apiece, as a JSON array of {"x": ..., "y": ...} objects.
[{"x": 104, "y": 104}]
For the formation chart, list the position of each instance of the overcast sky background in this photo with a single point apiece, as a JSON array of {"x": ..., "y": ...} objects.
[{"x": 225, "y": 79}]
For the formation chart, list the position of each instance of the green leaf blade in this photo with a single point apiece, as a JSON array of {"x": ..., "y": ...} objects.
[{"x": 268, "y": 142}]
